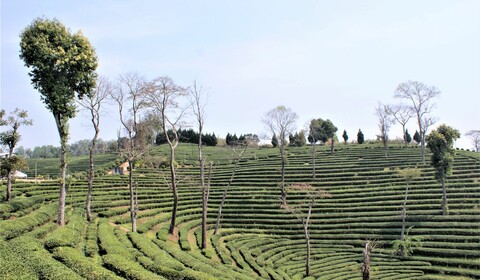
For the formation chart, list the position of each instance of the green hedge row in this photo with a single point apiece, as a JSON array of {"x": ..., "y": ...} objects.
[
  {"x": 13, "y": 228},
  {"x": 69, "y": 235}
]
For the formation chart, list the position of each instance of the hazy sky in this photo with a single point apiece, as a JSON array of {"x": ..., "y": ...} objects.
[{"x": 323, "y": 59}]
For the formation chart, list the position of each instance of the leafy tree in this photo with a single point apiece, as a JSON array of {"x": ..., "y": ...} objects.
[
  {"x": 281, "y": 121},
  {"x": 405, "y": 246},
  {"x": 408, "y": 137},
  {"x": 416, "y": 137},
  {"x": 360, "y": 137},
  {"x": 62, "y": 66},
  {"x": 274, "y": 141},
  {"x": 228, "y": 139},
  {"x": 440, "y": 143},
  {"x": 421, "y": 96},
  {"x": 345, "y": 136},
  {"x": 10, "y": 139},
  {"x": 297, "y": 139}
]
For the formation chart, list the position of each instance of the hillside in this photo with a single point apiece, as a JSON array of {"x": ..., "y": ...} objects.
[{"x": 257, "y": 239}]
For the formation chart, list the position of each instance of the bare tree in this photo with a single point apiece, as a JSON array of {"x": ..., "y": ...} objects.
[
  {"x": 237, "y": 159},
  {"x": 421, "y": 97},
  {"x": 385, "y": 122},
  {"x": 475, "y": 136},
  {"x": 402, "y": 114},
  {"x": 311, "y": 197},
  {"x": 408, "y": 174},
  {"x": 197, "y": 103},
  {"x": 92, "y": 103},
  {"x": 164, "y": 96},
  {"x": 280, "y": 121},
  {"x": 128, "y": 94}
]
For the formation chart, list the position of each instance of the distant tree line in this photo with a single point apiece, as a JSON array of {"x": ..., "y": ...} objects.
[
  {"x": 188, "y": 136},
  {"x": 233, "y": 140},
  {"x": 79, "y": 148}
]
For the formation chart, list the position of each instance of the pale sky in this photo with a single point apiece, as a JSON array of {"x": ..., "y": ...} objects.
[{"x": 324, "y": 59}]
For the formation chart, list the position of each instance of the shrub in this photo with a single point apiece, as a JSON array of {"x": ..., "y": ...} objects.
[
  {"x": 82, "y": 265},
  {"x": 127, "y": 268}
]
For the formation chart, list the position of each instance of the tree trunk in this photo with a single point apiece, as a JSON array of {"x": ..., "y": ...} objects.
[
  {"x": 423, "y": 147},
  {"x": 63, "y": 176},
  {"x": 404, "y": 215},
  {"x": 444, "y": 200},
  {"x": 91, "y": 172},
  {"x": 9, "y": 187},
  {"x": 174, "y": 190},
  {"x": 204, "y": 191},
  {"x": 133, "y": 212},
  {"x": 307, "y": 243},
  {"x": 224, "y": 196},
  {"x": 314, "y": 156},
  {"x": 282, "y": 183},
  {"x": 366, "y": 261},
  {"x": 332, "y": 146},
  {"x": 90, "y": 184}
]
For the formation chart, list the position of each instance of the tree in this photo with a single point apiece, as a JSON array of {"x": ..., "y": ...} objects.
[
  {"x": 421, "y": 96},
  {"x": 408, "y": 174},
  {"x": 197, "y": 103},
  {"x": 408, "y": 137},
  {"x": 313, "y": 137},
  {"x": 385, "y": 121},
  {"x": 92, "y": 103},
  {"x": 402, "y": 114},
  {"x": 163, "y": 97},
  {"x": 297, "y": 139},
  {"x": 281, "y": 121},
  {"x": 10, "y": 139},
  {"x": 440, "y": 143},
  {"x": 128, "y": 93},
  {"x": 274, "y": 141},
  {"x": 475, "y": 136},
  {"x": 345, "y": 136},
  {"x": 311, "y": 197},
  {"x": 62, "y": 66},
  {"x": 416, "y": 137},
  {"x": 360, "y": 137}
]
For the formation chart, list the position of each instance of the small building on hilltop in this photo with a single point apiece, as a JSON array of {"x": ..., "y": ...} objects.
[{"x": 122, "y": 169}]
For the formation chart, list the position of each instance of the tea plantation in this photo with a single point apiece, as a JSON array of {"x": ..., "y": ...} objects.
[{"x": 257, "y": 239}]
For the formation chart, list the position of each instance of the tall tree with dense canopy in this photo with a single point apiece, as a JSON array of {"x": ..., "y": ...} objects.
[
  {"x": 440, "y": 143},
  {"x": 280, "y": 121},
  {"x": 421, "y": 97},
  {"x": 62, "y": 66},
  {"x": 164, "y": 97},
  {"x": 92, "y": 103},
  {"x": 416, "y": 137},
  {"x": 408, "y": 137},
  {"x": 10, "y": 139}
]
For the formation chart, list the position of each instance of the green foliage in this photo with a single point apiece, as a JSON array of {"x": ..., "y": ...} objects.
[
  {"x": 416, "y": 137},
  {"x": 321, "y": 130},
  {"x": 13, "y": 228},
  {"x": 297, "y": 139},
  {"x": 68, "y": 235},
  {"x": 360, "y": 137},
  {"x": 61, "y": 65},
  {"x": 40, "y": 260},
  {"x": 408, "y": 245},
  {"x": 408, "y": 137},
  {"x": 12, "y": 264},
  {"x": 440, "y": 143},
  {"x": 274, "y": 141},
  {"x": 345, "y": 136},
  {"x": 11, "y": 164},
  {"x": 85, "y": 267}
]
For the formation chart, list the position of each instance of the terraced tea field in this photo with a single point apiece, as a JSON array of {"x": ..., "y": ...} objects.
[{"x": 257, "y": 239}]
